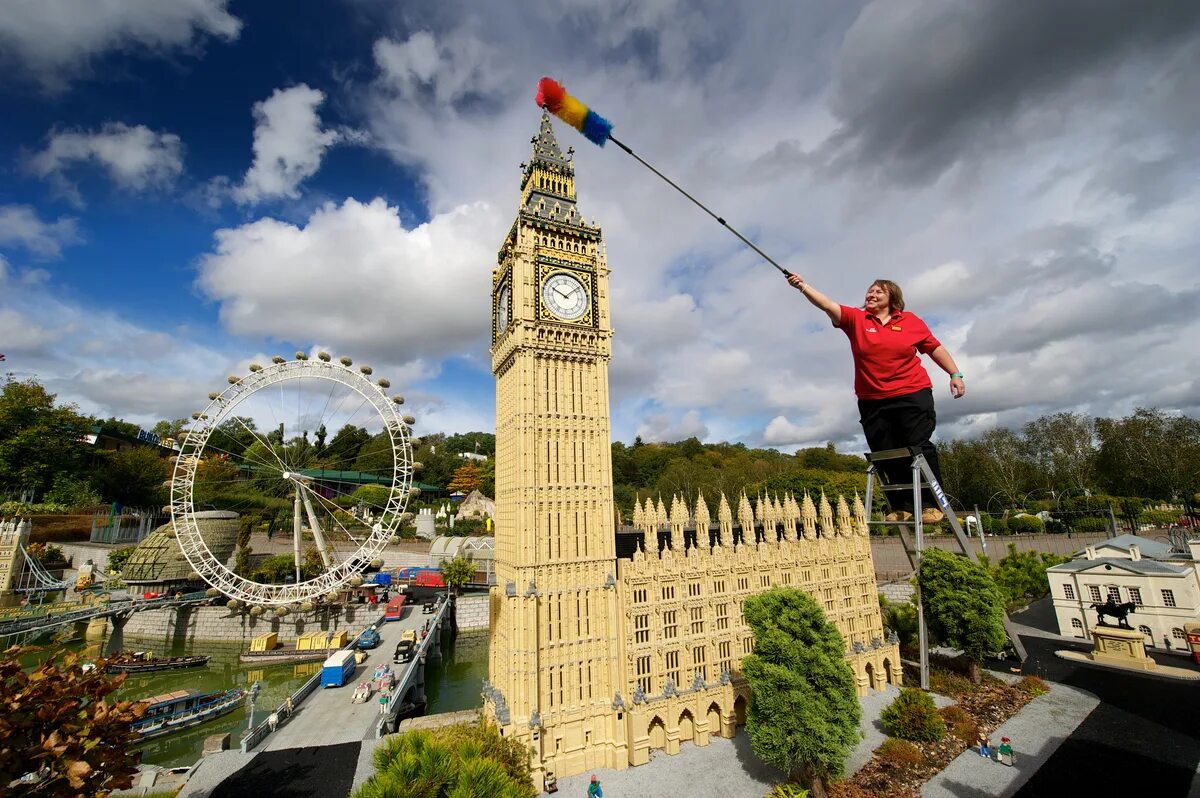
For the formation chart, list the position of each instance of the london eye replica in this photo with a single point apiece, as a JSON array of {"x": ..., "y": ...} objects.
[{"x": 311, "y": 445}]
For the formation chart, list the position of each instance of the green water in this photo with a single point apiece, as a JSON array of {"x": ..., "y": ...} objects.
[
  {"x": 452, "y": 684},
  {"x": 455, "y": 682}
]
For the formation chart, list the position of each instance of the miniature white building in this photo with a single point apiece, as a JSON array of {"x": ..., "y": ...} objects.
[{"x": 1162, "y": 583}]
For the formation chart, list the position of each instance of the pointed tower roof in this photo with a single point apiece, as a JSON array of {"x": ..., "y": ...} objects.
[{"x": 545, "y": 146}]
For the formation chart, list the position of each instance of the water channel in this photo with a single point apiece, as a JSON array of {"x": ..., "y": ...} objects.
[{"x": 452, "y": 684}]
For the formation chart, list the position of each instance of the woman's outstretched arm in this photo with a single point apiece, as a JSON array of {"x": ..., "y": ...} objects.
[{"x": 832, "y": 309}]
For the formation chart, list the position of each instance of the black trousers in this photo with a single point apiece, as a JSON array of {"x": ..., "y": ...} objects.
[{"x": 897, "y": 422}]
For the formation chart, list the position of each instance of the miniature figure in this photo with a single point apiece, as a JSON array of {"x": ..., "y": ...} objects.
[
  {"x": 985, "y": 746},
  {"x": 1006, "y": 752}
]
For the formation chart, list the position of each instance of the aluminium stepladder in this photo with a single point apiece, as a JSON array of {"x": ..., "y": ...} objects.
[{"x": 922, "y": 477}]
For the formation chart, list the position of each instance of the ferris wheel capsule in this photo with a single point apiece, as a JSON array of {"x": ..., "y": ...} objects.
[
  {"x": 255, "y": 367},
  {"x": 345, "y": 361},
  {"x": 277, "y": 360},
  {"x": 398, "y": 400},
  {"x": 233, "y": 379},
  {"x": 302, "y": 356},
  {"x": 366, "y": 370},
  {"x": 410, "y": 420},
  {"x": 324, "y": 356},
  {"x": 382, "y": 383}
]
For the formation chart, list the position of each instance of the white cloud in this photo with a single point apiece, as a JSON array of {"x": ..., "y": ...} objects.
[
  {"x": 662, "y": 427},
  {"x": 54, "y": 41},
  {"x": 289, "y": 144},
  {"x": 1005, "y": 243},
  {"x": 136, "y": 158},
  {"x": 20, "y": 226},
  {"x": 355, "y": 277}
]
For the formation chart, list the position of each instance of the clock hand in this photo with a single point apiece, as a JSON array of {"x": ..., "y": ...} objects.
[{"x": 561, "y": 294}]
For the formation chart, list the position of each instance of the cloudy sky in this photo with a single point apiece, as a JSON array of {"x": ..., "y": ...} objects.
[{"x": 189, "y": 186}]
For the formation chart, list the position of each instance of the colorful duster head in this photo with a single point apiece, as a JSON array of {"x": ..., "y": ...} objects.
[{"x": 554, "y": 98}]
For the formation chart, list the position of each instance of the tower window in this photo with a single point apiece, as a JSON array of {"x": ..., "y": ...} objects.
[
  {"x": 1068, "y": 592},
  {"x": 670, "y": 625}
]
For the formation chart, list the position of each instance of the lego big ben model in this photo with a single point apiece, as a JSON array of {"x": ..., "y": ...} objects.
[{"x": 555, "y": 628}]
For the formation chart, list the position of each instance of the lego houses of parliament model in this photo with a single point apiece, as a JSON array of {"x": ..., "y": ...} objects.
[{"x": 599, "y": 656}]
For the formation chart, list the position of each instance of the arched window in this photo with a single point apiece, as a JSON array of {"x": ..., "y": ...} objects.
[
  {"x": 1145, "y": 630},
  {"x": 1178, "y": 634},
  {"x": 1077, "y": 627}
]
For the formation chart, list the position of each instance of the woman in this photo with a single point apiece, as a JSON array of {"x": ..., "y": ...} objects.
[{"x": 895, "y": 396}]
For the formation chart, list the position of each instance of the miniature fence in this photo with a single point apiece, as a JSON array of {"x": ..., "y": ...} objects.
[{"x": 128, "y": 528}]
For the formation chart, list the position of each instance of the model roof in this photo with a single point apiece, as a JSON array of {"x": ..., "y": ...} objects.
[
  {"x": 1144, "y": 567},
  {"x": 1149, "y": 548}
]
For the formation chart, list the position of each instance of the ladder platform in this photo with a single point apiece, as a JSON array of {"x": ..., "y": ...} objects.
[{"x": 889, "y": 454}]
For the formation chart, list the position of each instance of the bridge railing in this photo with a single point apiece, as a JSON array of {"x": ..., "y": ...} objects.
[
  {"x": 45, "y": 617},
  {"x": 434, "y": 638}
]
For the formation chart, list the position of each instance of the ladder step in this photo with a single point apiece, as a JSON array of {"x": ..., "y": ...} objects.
[
  {"x": 903, "y": 486},
  {"x": 889, "y": 454}
]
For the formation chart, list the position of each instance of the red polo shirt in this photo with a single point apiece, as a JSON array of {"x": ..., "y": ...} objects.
[{"x": 885, "y": 355}]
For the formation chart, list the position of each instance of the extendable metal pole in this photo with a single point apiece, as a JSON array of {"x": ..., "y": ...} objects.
[{"x": 922, "y": 633}]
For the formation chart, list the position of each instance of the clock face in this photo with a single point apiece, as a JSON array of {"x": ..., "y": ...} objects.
[
  {"x": 503, "y": 307},
  {"x": 565, "y": 296}
]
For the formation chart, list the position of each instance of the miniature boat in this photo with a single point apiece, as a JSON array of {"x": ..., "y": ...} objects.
[
  {"x": 361, "y": 693},
  {"x": 184, "y": 709},
  {"x": 145, "y": 661}
]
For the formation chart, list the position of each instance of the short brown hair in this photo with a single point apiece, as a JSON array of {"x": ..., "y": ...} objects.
[{"x": 895, "y": 295}]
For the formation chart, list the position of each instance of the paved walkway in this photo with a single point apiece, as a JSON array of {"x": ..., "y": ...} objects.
[{"x": 1036, "y": 731}]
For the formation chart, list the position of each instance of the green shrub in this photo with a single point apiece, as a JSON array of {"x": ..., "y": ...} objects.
[
  {"x": 1032, "y": 686},
  {"x": 1157, "y": 517},
  {"x": 464, "y": 761},
  {"x": 1025, "y": 524},
  {"x": 1090, "y": 523},
  {"x": 913, "y": 716},
  {"x": 73, "y": 492},
  {"x": 901, "y": 618},
  {"x": 899, "y": 752},
  {"x": 21, "y": 510},
  {"x": 117, "y": 558},
  {"x": 788, "y": 790}
]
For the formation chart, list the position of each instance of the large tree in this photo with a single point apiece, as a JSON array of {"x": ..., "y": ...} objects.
[
  {"x": 804, "y": 714},
  {"x": 1150, "y": 454},
  {"x": 963, "y": 607},
  {"x": 1063, "y": 448},
  {"x": 39, "y": 439},
  {"x": 133, "y": 476}
]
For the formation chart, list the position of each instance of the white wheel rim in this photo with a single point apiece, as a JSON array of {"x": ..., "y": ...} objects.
[{"x": 183, "y": 513}]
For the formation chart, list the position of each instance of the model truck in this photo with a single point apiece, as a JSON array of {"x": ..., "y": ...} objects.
[{"x": 338, "y": 669}]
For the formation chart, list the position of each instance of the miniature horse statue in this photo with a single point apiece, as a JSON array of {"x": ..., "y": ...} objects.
[{"x": 1118, "y": 611}]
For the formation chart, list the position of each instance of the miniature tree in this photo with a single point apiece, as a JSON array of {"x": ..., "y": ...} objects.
[
  {"x": 61, "y": 737},
  {"x": 963, "y": 606},
  {"x": 457, "y": 572},
  {"x": 913, "y": 716},
  {"x": 804, "y": 715},
  {"x": 466, "y": 478}
]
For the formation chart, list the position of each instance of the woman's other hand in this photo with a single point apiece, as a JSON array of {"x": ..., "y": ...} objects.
[
  {"x": 957, "y": 387},
  {"x": 796, "y": 281}
]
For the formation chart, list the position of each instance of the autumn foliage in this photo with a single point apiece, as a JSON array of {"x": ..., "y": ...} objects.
[{"x": 59, "y": 736}]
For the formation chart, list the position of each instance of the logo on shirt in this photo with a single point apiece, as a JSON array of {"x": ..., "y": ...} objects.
[
  {"x": 896, "y": 327},
  {"x": 870, "y": 329}
]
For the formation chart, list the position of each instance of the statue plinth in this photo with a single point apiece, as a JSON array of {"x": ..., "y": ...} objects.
[{"x": 1125, "y": 648}]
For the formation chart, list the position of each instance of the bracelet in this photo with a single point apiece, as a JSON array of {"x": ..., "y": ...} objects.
[{"x": 956, "y": 375}]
